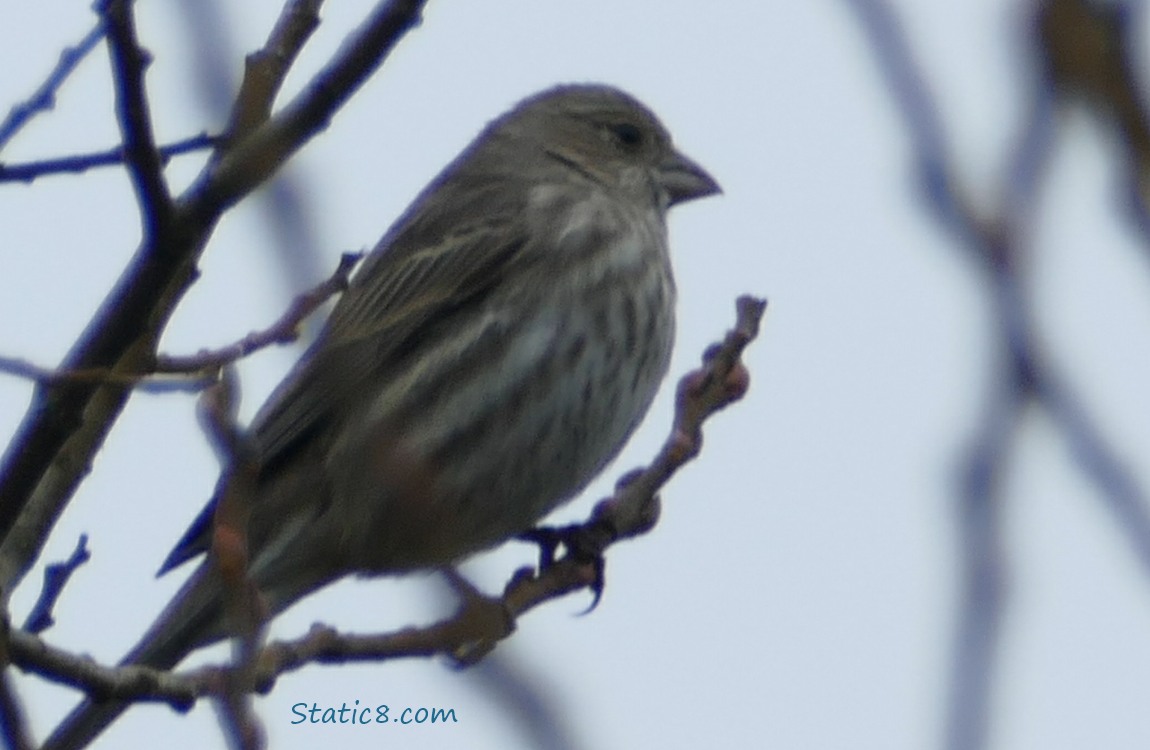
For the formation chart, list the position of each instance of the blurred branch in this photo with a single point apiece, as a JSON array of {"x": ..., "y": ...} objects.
[
  {"x": 44, "y": 98},
  {"x": 481, "y": 622},
  {"x": 1098, "y": 461},
  {"x": 229, "y": 554},
  {"x": 238, "y": 720},
  {"x": 913, "y": 99},
  {"x": 13, "y": 725},
  {"x": 266, "y": 69},
  {"x": 287, "y": 213},
  {"x": 518, "y": 690},
  {"x": 1030, "y": 159},
  {"x": 29, "y": 171},
  {"x": 1023, "y": 376},
  {"x": 983, "y": 569},
  {"x": 1088, "y": 51}
]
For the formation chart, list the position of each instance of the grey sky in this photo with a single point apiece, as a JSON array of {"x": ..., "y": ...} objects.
[{"x": 801, "y": 587}]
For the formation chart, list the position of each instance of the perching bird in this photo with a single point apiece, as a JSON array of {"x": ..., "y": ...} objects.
[{"x": 491, "y": 355}]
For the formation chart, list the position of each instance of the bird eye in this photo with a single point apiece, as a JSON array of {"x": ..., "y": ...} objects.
[{"x": 629, "y": 135}]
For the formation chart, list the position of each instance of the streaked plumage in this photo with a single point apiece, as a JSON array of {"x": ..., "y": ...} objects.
[{"x": 494, "y": 351}]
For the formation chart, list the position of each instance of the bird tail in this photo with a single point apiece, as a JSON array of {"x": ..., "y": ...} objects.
[{"x": 192, "y": 619}]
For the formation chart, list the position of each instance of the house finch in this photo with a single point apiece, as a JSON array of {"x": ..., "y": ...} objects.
[{"x": 491, "y": 355}]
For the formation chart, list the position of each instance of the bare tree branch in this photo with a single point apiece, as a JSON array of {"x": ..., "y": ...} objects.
[
  {"x": 29, "y": 171},
  {"x": 283, "y": 331},
  {"x": 257, "y": 155},
  {"x": 200, "y": 370},
  {"x": 56, "y": 577},
  {"x": 44, "y": 97},
  {"x": 285, "y": 205},
  {"x": 266, "y": 69},
  {"x": 32, "y": 654},
  {"x": 481, "y": 622},
  {"x": 22, "y": 368},
  {"x": 142, "y": 157},
  {"x": 67, "y": 423}
]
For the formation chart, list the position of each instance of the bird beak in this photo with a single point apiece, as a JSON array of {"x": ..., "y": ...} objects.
[{"x": 685, "y": 180}]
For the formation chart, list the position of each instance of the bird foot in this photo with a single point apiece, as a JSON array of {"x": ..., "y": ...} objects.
[{"x": 584, "y": 544}]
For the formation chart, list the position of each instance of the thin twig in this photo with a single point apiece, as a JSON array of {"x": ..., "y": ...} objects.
[
  {"x": 44, "y": 98},
  {"x": 283, "y": 331},
  {"x": 192, "y": 382},
  {"x": 56, "y": 577},
  {"x": 193, "y": 373},
  {"x": 29, "y": 171},
  {"x": 22, "y": 368}
]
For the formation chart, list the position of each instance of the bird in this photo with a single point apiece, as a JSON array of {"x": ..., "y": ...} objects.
[{"x": 490, "y": 356}]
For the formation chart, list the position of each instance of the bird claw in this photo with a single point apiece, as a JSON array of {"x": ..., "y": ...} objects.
[
  {"x": 598, "y": 583},
  {"x": 584, "y": 545}
]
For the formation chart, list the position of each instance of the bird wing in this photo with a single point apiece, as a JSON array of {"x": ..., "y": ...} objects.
[
  {"x": 379, "y": 320},
  {"x": 425, "y": 269}
]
